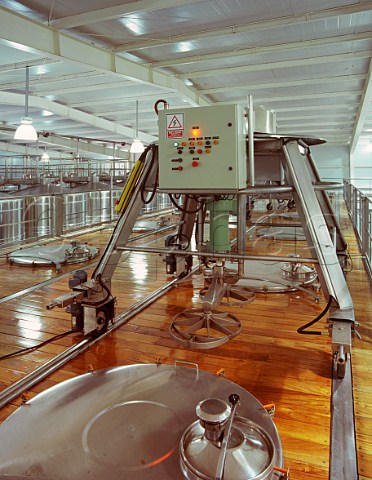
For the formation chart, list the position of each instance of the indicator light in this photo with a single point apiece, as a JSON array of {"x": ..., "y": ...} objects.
[
  {"x": 216, "y": 142},
  {"x": 195, "y": 132},
  {"x": 200, "y": 150},
  {"x": 195, "y": 163},
  {"x": 184, "y": 144},
  {"x": 175, "y": 144},
  {"x": 200, "y": 142}
]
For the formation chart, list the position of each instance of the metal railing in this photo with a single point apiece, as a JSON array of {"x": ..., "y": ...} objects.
[{"x": 359, "y": 205}]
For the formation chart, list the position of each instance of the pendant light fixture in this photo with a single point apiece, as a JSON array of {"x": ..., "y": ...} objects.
[
  {"x": 137, "y": 146},
  {"x": 26, "y": 131},
  {"x": 45, "y": 157}
]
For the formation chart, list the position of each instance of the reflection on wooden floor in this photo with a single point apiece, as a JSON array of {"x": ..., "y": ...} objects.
[{"x": 269, "y": 358}]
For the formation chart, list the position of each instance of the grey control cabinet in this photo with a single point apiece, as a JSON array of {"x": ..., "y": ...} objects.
[{"x": 202, "y": 149}]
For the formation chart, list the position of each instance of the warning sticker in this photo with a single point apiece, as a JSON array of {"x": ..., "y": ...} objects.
[
  {"x": 175, "y": 121},
  {"x": 175, "y": 134}
]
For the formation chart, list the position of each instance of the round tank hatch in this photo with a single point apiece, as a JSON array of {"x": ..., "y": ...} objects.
[
  {"x": 56, "y": 254},
  {"x": 250, "y": 453}
]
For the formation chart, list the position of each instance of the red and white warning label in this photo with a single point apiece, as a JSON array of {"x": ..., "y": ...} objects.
[{"x": 175, "y": 125}]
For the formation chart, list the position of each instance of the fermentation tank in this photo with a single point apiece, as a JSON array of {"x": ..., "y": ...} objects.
[
  {"x": 11, "y": 220},
  {"x": 99, "y": 207},
  {"x": 39, "y": 216},
  {"x": 75, "y": 210}
]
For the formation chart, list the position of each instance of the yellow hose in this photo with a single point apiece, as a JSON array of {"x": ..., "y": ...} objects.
[{"x": 129, "y": 186}]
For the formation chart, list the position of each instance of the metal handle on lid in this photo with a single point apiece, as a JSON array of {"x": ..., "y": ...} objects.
[
  {"x": 234, "y": 400},
  {"x": 187, "y": 363}
]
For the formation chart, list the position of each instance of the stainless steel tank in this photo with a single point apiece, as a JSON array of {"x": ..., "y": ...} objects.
[
  {"x": 264, "y": 120},
  {"x": 75, "y": 210},
  {"x": 99, "y": 207},
  {"x": 39, "y": 216},
  {"x": 123, "y": 422},
  {"x": 11, "y": 220}
]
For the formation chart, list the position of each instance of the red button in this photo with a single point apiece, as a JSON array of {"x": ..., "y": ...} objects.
[
  {"x": 195, "y": 164},
  {"x": 180, "y": 168},
  {"x": 200, "y": 150}
]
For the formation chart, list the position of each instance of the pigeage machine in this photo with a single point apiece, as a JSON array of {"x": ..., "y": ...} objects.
[
  {"x": 202, "y": 157},
  {"x": 210, "y": 167}
]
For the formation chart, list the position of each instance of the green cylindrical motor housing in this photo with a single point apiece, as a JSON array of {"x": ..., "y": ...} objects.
[{"x": 219, "y": 240}]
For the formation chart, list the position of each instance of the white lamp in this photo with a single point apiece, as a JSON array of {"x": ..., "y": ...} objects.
[
  {"x": 137, "y": 146},
  {"x": 26, "y": 131},
  {"x": 45, "y": 157}
]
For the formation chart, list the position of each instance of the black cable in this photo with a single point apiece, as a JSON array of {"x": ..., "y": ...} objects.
[
  {"x": 31, "y": 349},
  {"x": 319, "y": 317},
  {"x": 157, "y": 103},
  {"x": 104, "y": 287},
  {"x": 155, "y": 150},
  {"x": 173, "y": 238},
  {"x": 183, "y": 209}
]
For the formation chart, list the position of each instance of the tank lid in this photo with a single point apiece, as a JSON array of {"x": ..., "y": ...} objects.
[{"x": 250, "y": 453}]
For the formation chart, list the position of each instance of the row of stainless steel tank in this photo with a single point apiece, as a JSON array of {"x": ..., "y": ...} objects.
[{"x": 31, "y": 214}]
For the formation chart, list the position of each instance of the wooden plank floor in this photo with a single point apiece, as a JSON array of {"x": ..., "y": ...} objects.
[{"x": 269, "y": 358}]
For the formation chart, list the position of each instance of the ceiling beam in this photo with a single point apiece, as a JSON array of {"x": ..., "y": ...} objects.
[
  {"x": 38, "y": 80},
  {"x": 352, "y": 37},
  {"x": 131, "y": 98},
  {"x": 310, "y": 96},
  {"x": 110, "y": 13},
  {"x": 282, "y": 119},
  {"x": 258, "y": 67},
  {"x": 73, "y": 114},
  {"x": 10, "y": 67},
  {"x": 65, "y": 144},
  {"x": 304, "y": 108},
  {"x": 250, "y": 27},
  {"x": 292, "y": 83},
  {"x": 363, "y": 111},
  {"x": 25, "y": 34}
]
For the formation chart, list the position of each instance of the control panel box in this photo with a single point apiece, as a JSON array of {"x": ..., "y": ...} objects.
[{"x": 202, "y": 149}]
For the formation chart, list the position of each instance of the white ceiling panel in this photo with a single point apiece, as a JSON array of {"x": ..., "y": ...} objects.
[{"x": 90, "y": 60}]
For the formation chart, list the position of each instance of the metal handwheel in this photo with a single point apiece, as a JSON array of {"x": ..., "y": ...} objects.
[{"x": 203, "y": 329}]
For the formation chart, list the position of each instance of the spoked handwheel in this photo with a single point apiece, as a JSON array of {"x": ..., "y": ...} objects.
[
  {"x": 235, "y": 295},
  {"x": 202, "y": 329}
]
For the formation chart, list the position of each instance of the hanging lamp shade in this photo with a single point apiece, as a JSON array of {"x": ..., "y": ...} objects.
[
  {"x": 26, "y": 132},
  {"x": 137, "y": 146},
  {"x": 45, "y": 157}
]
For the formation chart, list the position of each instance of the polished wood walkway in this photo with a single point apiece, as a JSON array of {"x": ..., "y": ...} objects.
[{"x": 269, "y": 358}]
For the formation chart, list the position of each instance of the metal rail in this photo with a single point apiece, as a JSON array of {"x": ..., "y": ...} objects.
[
  {"x": 16, "y": 389},
  {"x": 25, "y": 291},
  {"x": 236, "y": 256},
  {"x": 343, "y": 458}
]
